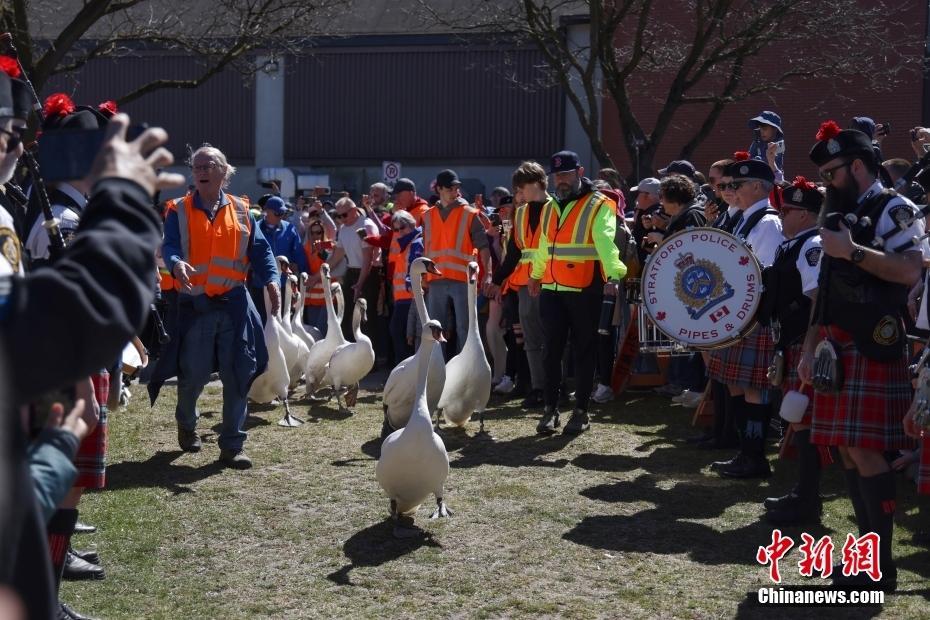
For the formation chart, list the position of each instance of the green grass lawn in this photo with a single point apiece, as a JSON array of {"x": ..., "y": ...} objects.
[{"x": 625, "y": 521}]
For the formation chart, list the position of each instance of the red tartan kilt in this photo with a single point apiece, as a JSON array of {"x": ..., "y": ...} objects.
[
  {"x": 869, "y": 410},
  {"x": 91, "y": 459},
  {"x": 746, "y": 363},
  {"x": 792, "y": 382},
  {"x": 923, "y": 472}
]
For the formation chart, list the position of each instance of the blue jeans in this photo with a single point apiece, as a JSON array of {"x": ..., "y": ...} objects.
[
  {"x": 398, "y": 329},
  {"x": 437, "y": 302},
  {"x": 211, "y": 338}
]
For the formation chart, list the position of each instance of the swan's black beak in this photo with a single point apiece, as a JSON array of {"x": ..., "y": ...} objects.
[
  {"x": 437, "y": 334},
  {"x": 472, "y": 273},
  {"x": 432, "y": 268}
]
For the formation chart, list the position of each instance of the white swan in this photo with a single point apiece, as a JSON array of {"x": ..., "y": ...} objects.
[
  {"x": 414, "y": 462},
  {"x": 286, "y": 294},
  {"x": 273, "y": 383},
  {"x": 468, "y": 374},
  {"x": 323, "y": 350},
  {"x": 400, "y": 389},
  {"x": 297, "y": 323},
  {"x": 296, "y": 352},
  {"x": 351, "y": 362}
]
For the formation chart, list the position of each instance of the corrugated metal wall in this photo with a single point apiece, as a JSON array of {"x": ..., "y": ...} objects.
[
  {"x": 221, "y": 111},
  {"x": 450, "y": 103}
]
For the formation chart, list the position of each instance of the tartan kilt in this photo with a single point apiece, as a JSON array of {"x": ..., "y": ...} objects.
[
  {"x": 923, "y": 471},
  {"x": 745, "y": 363},
  {"x": 792, "y": 382},
  {"x": 869, "y": 410},
  {"x": 91, "y": 458}
]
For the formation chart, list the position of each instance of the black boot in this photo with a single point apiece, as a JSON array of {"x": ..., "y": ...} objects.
[
  {"x": 879, "y": 495},
  {"x": 754, "y": 463},
  {"x": 803, "y": 504}
]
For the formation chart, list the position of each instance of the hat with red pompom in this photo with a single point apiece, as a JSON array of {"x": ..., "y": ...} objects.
[
  {"x": 803, "y": 194},
  {"x": 833, "y": 142},
  {"x": 740, "y": 155},
  {"x": 61, "y": 114},
  {"x": 20, "y": 101}
]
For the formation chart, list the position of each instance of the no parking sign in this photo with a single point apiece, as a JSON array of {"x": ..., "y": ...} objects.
[{"x": 390, "y": 171}]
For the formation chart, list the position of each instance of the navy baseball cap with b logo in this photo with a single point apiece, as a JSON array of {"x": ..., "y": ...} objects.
[{"x": 564, "y": 161}]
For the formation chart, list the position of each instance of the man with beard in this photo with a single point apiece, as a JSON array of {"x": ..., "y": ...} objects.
[
  {"x": 869, "y": 263},
  {"x": 576, "y": 263}
]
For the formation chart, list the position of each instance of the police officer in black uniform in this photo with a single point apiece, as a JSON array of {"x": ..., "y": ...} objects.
[{"x": 790, "y": 285}]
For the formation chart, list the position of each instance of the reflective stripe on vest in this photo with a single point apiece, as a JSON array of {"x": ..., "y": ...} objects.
[
  {"x": 216, "y": 250},
  {"x": 315, "y": 295},
  {"x": 448, "y": 243},
  {"x": 572, "y": 254},
  {"x": 398, "y": 259},
  {"x": 526, "y": 243}
]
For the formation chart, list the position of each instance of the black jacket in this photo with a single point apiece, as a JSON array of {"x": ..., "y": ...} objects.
[{"x": 59, "y": 324}]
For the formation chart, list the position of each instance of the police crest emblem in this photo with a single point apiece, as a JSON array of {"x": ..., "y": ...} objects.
[
  {"x": 10, "y": 247},
  {"x": 700, "y": 285}
]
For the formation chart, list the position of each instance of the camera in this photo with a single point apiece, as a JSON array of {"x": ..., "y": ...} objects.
[
  {"x": 779, "y": 147},
  {"x": 67, "y": 155}
]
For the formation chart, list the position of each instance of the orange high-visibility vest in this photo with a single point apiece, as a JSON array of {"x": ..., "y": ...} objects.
[
  {"x": 448, "y": 243},
  {"x": 217, "y": 250},
  {"x": 398, "y": 260},
  {"x": 527, "y": 243},
  {"x": 315, "y": 295},
  {"x": 572, "y": 256}
]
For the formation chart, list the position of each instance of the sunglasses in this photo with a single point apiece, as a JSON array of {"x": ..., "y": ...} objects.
[
  {"x": 205, "y": 167},
  {"x": 734, "y": 185},
  {"x": 316, "y": 233},
  {"x": 830, "y": 173},
  {"x": 14, "y": 141},
  {"x": 341, "y": 216}
]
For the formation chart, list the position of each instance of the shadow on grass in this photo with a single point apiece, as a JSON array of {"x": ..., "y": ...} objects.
[
  {"x": 518, "y": 452},
  {"x": 159, "y": 471},
  {"x": 251, "y": 421},
  {"x": 375, "y": 545}
]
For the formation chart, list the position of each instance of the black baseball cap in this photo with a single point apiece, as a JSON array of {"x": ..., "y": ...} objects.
[
  {"x": 446, "y": 178},
  {"x": 404, "y": 185},
  {"x": 564, "y": 161},
  {"x": 679, "y": 166}
]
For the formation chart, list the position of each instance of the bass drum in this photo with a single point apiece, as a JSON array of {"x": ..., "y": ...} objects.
[{"x": 702, "y": 288}]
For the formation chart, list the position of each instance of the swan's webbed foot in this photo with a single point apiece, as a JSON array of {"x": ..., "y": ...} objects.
[
  {"x": 441, "y": 510},
  {"x": 288, "y": 420}
]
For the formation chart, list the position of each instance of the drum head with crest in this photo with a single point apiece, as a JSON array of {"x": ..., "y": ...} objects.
[{"x": 702, "y": 288}]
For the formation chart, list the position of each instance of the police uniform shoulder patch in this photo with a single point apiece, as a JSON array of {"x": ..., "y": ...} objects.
[
  {"x": 901, "y": 214},
  {"x": 812, "y": 256},
  {"x": 10, "y": 247}
]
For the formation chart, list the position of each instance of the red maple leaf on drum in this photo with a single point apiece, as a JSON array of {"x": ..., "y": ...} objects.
[
  {"x": 660, "y": 316},
  {"x": 743, "y": 260}
]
